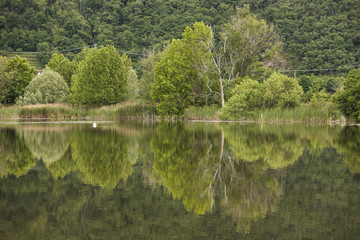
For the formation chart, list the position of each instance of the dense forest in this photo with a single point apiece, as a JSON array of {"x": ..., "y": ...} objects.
[{"x": 315, "y": 34}]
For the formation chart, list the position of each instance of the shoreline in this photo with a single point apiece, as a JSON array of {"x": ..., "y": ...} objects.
[{"x": 138, "y": 112}]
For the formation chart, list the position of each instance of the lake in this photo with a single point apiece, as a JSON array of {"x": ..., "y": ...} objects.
[{"x": 179, "y": 180}]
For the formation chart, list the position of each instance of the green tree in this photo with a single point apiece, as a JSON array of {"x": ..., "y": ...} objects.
[
  {"x": 281, "y": 91},
  {"x": 181, "y": 77},
  {"x": 101, "y": 78},
  {"x": 147, "y": 65},
  {"x": 14, "y": 79},
  {"x": 62, "y": 65},
  {"x": 49, "y": 87},
  {"x": 172, "y": 86},
  {"x": 133, "y": 86},
  {"x": 44, "y": 52},
  {"x": 348, "y": 99},
  {"x": 244, "y": 42},
  {"x": 5, "y": 79}
]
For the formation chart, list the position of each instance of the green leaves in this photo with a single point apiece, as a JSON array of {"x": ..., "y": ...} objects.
[
  {"x": 348, "y": 99},
  {"x": 48, "y": 87},
  {"x": 62, "y": 65},
  {"x": 101, "y": 78},
  {"x": 247, "y": 96},
  {"x": 15, "y": 77},
  {"x": 282, "y": 91},
  {"x": 180, "y": 77}
]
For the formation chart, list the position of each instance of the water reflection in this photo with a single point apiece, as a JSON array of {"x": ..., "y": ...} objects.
[
  {"x": 15, "y": 157},
  {"x": 246, "y": 173},
  {"x": 47, "y": 143}
]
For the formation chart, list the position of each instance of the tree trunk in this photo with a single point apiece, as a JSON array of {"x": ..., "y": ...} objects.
[{"x": 222, "y": 92}]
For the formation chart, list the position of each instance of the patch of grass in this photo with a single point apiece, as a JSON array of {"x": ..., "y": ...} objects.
[
  {"x": 202, "y": 113},
  {"x": 321, "y": 112},
  {"x": 64, "y": 111},
  {"x": 125, "y": 110},
  {"x": 9, "y": 112}
]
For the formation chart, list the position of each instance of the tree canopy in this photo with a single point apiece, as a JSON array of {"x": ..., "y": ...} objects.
[
  {"x": 101, "y": 78},
  {"x": 15, "y": 77}
]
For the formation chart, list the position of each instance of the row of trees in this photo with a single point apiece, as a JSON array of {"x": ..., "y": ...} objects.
[
  {"x": 197, "y": 70},
  {"x": 96, "y": 77}
]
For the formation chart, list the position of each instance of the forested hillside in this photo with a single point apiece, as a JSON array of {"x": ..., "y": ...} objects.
[{"x": 316, "y": 34}]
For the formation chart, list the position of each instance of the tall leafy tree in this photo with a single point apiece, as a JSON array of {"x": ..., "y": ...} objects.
[
  {"x": 101, "y": 78},
  {"x": 181, "y": 76},
  {"x": 349, "y": 98},
  {"x": 62, "y": 65},
  {"x": 14, "y": 79},
  {"x": 245, "y": 41}
]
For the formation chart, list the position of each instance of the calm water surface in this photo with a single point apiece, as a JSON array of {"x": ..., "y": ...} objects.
[{"x": 179, "y": 181}]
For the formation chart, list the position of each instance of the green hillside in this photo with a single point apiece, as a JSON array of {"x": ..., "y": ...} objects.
[
  {"x": 316, "y": 34},
  {"x": 31, "y": 57}
]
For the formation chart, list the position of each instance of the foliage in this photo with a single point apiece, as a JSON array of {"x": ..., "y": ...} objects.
[
  {"x": 281, "y": 91},
  {"x": 179, "y": 76},
  {"x": 133, "y": 86},
  {"x": 15, "y": 157},
  {"x": 146, "y": 69},
  {"x": 246, "y": 97},
  {"x": 46, "y": 144},
  {"x": 49, "y": 87},
  {"x": 246, "y": 44},
  {"x": 101, "y": 78},
  {"x": 248, "y": 40},
  {"x": 202, "y": 113},
  {"x": 62, "y": 65},
  {"x": 348, "y": 99},
  {"x": 15, "y": 77},
  {"x": 100, "y": 157},
  {"x": 315, "y": 34}
]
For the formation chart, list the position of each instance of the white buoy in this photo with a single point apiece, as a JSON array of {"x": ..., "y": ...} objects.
[{"x": 94, "y": 125}]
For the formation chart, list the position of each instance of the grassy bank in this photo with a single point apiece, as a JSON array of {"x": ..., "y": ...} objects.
[
  {"x": 68, "y": 112},
  {"x": 320, "y": 113},
  {"x": 305, "y": 113}
]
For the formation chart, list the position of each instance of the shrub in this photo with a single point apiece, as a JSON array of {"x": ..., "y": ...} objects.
[
  {"x": 247, "y": 96},
  {"x": 49, "y": 87}
]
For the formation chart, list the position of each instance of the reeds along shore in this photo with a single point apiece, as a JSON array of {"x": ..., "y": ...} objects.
[
  {"x": 140, "y": 111},
  {"x": 65, "y": 111}
]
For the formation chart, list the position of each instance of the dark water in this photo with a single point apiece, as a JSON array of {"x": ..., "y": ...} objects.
[{"x": 179, "y": 181}]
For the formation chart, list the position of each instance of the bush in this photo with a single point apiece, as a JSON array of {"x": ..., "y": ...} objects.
[
  {"x": 49, "y": 87},
  {"x": 281, "y": 91},
  {"x": 247, "y": 96}
]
